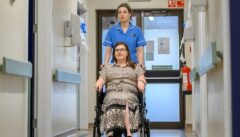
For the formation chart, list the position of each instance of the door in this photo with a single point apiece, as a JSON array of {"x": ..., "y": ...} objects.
[{"x": 163, "y": 31}]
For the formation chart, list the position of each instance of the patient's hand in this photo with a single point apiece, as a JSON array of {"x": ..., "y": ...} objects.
[
  {"x": 102, "y": 65},
  {"x": 99, "y": 85},
  {"x": 141, "y": 86}
]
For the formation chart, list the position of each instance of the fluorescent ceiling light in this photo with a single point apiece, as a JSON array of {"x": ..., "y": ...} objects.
[{"x": 151, "y": 18}]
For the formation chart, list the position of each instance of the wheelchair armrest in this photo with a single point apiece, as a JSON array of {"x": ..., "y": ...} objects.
[
  {"x": 141, "y": 98},
  {"x": 100, "y": 97}
]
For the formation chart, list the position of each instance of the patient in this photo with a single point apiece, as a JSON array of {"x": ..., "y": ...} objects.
[{"x": 123, "y": 81}]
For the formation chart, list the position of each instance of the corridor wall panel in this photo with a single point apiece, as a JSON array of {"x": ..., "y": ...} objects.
[
  {"x": 64, "y": 111},
  {"x": 13, "y": 89},
  {"x": 216, "y": 122},
  {"x": 215, "y": 87}
]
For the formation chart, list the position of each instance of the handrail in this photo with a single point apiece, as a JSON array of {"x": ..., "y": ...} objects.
[
  {"x": 194, "y": 75},
  {"x": 15, "y": 67},
  {"x": 66, "y": 76},
  {"x": 150, "y": 78},
  {"x": 209, "y": 59}
]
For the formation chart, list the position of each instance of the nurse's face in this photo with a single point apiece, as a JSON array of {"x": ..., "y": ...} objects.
[{"x": 123, "y": 14}]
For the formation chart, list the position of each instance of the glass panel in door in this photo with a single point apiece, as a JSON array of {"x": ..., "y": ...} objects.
[
  {"x": 162, "y": 36},
  {"x": 163, "y": 102}
]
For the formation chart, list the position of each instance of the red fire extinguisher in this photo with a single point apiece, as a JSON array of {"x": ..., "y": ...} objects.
[{"x": 186, "y": 84}]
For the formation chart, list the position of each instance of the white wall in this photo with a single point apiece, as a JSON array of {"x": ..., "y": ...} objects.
[
  {"x": 64, "y": 101},
  {"x": 216, "y": 95},
  {"x": 83, "y": 96},
  {"x": 44, "y": 42},
  {"x": 211, "y": 96},
  {"x": 57, "y": 102},
  {"x": 13, "y": 89}
]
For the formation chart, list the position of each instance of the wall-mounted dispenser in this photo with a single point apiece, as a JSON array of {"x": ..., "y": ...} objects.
[
  {"x": 68, "y": 28},
  {"x": 72, "y": 29},
  {"x": 83, "y": 31},
  {"x": 83, "y": 27},
  {"x": 75, "y": 19}
]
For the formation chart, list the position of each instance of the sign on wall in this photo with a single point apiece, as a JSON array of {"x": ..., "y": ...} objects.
[{"x": 175, "y": 3}]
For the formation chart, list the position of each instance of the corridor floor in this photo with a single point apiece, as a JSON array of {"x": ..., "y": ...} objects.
[{"x": 154, "y": 133}]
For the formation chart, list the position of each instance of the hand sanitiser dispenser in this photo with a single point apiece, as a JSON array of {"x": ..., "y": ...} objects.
[{"x": 72, "y": 29}]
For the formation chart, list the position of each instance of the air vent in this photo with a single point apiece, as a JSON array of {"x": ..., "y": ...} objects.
[{"x": 139, "y": 0}]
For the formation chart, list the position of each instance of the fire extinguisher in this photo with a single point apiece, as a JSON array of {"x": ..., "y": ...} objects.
[{"x": 186, "y": 84}]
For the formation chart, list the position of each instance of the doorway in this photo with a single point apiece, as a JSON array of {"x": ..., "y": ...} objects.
[{"x": 162, "y": 30}]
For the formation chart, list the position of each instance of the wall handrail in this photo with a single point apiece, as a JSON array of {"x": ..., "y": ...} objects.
[
  {"x": 66, "y": 76},
  {"x": 194, "y": 75},
  {"x": 209, "y": 59},
  {"x": 16, "y": 67}
]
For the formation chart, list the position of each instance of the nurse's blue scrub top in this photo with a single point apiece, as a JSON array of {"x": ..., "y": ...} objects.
[{"x": 133, "y": 38}]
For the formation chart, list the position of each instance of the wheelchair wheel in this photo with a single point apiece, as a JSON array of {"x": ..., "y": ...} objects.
[
  {"x": 96, "y": 132},
  {"x": 147, "y": 127},
  {"x": 142, "y": 133}
]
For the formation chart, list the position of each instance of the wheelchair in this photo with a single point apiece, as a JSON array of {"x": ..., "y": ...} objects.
[{"x": 144, "y": 127}]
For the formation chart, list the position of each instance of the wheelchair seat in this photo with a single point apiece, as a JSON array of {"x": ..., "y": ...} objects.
[{"x": 144, "y": 126}]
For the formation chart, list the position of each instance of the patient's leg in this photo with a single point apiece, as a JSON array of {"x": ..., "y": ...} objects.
[{"x": 126, "y": 121}]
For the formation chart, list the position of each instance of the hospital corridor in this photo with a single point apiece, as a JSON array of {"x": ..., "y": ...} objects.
[{"x": 119, "y": 68}]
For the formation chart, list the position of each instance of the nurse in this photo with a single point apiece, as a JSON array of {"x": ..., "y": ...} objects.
[{"x": 125, "y": 32}]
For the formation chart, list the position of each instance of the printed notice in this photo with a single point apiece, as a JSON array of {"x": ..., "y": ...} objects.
[
  {"x": 163, "y": 46},
  {"x": 150, "y": 51}
]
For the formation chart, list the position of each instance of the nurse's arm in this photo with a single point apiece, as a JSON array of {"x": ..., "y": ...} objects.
[
  {"x": 107, "y": 56},
  {"x": 140, "y": 54}
]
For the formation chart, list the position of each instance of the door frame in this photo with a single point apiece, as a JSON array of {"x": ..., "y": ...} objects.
[
  {"x": 235, "y": 67},
  {"x": 32, "y": 114}
]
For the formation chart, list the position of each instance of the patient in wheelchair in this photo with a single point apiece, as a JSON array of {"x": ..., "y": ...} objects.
[{"x": 123, "y": 81}]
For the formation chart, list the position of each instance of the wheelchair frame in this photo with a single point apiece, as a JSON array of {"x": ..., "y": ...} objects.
[{"x": 144, "y": 127}]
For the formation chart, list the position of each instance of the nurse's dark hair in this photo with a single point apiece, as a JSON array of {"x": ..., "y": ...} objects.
[
  {"x": 128, "y": 59},
  {"x": 126, "y": 6}
]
